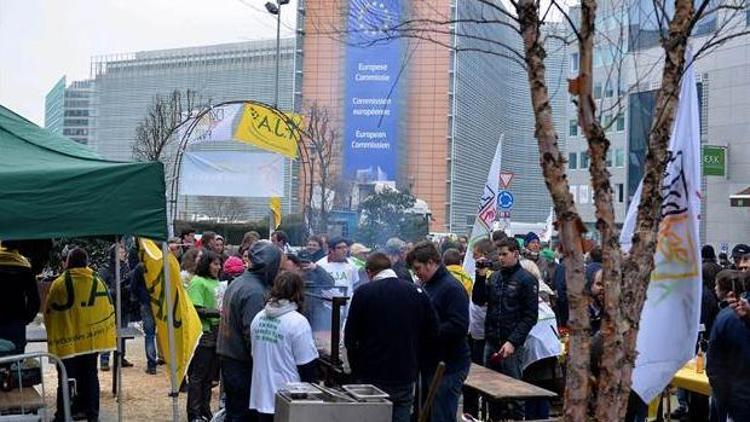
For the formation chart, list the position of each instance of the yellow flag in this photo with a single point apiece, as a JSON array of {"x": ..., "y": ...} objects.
[
  {"x": 266, "y": 129},
  {"x": 187, "y": 325},
  {"x": 274, "y": 203},
  {"x": 79, "y": 315}
]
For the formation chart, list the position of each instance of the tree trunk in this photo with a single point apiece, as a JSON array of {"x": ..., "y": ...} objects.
[
  {"x": 640, "y": 263},
  {"x": 609, "y": 395},
  {"x": 570, "y": 226}
]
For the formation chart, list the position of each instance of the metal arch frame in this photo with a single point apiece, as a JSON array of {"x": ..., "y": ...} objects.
[{"x": 193, "y": 122}]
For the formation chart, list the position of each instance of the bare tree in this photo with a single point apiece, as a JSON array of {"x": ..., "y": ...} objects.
[
  {"x": 626, "y": 278},
  {"x": 219, "y": 208},
  {"x": 321, "y": 137},
  {"x": 164, "y": 117}
]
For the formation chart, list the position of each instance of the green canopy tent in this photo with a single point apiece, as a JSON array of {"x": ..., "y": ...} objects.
[{"x": 54, "y": 187}]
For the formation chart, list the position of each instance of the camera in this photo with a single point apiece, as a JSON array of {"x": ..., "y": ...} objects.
[{"x": 484, "y": 263}]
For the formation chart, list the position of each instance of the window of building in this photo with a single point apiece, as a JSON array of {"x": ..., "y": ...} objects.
[
  {"x": 620, "y": 193},
  {"x": 572, "y": 160},
  {"x": 610, "y": 154},
  {"x": 597, "y": 91},
  {"x": 573, "y": 128},
  {"x": 583, "y": 194},
  {"x": 574, "y": 62},
  {"x": 584, "y": 160},
  {"x": 619, "y": 157},
  {"x": 608, "y": 121},
  {"x": 574, "y": 192},
  {"x": 620, "y": 123},
  {"x": 609, "y": 91}
]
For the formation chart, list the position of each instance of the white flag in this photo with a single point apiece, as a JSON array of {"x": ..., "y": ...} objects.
[
  {"x": 670, "y": 317},
  {"x": 487, "y": 211},
  {"x": 549, "y": 227}
]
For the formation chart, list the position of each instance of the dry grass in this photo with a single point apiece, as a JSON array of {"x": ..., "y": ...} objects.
[{"x": 145, "y": 397}]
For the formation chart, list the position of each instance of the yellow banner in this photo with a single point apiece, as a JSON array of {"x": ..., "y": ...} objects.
[
  {"x": 79, "y": 315},
  {"x": 187, "y": 325},
  {"x": 266, "y": 129},
  {"x": 274, "y": 203}
]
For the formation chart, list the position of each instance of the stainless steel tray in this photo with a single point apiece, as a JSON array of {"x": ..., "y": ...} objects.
[{"x": 365, "y": 392}]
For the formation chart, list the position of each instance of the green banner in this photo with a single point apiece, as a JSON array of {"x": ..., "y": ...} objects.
[{"x": 714, "y": 160}]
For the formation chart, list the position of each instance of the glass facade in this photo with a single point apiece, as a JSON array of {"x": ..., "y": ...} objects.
[
  {"x": 68, "y": 110},
  {"x": 126, "y": 86},
  {"x": 493, "y": 89},
  {"x": 53, "y": 107}
]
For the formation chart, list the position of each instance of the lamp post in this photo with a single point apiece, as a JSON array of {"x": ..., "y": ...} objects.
[{"x": 275, "y": 9}]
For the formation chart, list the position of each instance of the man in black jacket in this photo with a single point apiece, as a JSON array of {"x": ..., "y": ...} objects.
[
  {"x": 19, "y": 302},
  {"x": 451, "y": 303},
  {"x": 384, "y": 348},
  {"x": 512, "y": 309},
  {"x": 244, "y": 298}
]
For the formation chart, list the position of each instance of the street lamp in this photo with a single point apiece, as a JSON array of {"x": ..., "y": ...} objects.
[{"x": 275, "y": 9}]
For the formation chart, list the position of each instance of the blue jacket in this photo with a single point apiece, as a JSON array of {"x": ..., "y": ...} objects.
[
  {"x": 512, "y": 300},
  {"x": 728, "y": 362},
  {"x": 451, "y": 303}
]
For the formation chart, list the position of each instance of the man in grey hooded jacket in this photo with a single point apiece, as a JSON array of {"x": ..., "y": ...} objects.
[{"x": 244, "y": 298}]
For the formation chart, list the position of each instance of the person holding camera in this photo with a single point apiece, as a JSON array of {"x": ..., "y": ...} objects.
[{"x": 512, "y": 309}]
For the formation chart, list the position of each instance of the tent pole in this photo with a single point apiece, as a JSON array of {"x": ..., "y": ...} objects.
[
  {"x": 118, "y": 315},
  {"x": 170, "y": 330}
]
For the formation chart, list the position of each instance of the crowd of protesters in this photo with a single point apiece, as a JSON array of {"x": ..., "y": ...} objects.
[{"x": 257, "y": 333}]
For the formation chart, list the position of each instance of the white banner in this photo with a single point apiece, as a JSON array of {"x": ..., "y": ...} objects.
[
  {"x": 216, "y": 125},
  {"x": 670, "y": 317},
  {"x": 232, "y": 173}
]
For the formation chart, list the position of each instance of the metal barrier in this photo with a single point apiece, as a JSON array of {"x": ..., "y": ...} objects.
[{"x": 62, "y": 374}]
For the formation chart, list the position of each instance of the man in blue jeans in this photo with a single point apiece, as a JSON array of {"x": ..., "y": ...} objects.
[
  {"x": 149, "y": 325},
  {"x": 451, "y": 304}
]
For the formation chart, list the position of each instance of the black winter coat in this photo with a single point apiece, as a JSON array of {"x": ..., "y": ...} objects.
[{"x": 512, "y": 301}]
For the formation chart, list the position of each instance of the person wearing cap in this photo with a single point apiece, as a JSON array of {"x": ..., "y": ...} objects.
[
  {"x": 345, "y": 274},
  {"x": 744, "y": 263},
  {"x": 233, "y": 267},
  {"x": 533, "y": 245},
  {"x": 738, "y": 251},
  {"x": 358, "y": 256},
  {"x": 243, "y": 299},
  {"x": 396, "y": 249},
  {"x": 377, "y": 356}
]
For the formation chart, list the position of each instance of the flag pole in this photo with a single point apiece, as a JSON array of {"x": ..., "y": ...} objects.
[
  {"x": 118, "y": 316},
  {"x": 170, "y": 330}
]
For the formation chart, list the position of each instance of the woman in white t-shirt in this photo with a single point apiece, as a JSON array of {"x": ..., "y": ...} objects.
[{"x": 283, "y": 346}]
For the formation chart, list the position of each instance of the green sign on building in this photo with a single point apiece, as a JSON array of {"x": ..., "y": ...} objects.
[{"x": 714, "y": 160}]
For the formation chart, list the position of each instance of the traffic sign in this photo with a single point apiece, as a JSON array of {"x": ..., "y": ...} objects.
[
  {"x": 505, "y": 178},
  {"x": 504, "y": 214},
  {"x": 505, "y": 200}
]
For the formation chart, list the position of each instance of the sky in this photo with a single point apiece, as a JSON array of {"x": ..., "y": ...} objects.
[{"x": 42, "y": 40}]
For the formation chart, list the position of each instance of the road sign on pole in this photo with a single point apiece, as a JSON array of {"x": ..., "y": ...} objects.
[
  {"x": 505, "y": 200},
  {"x": 505, "y": 178}
]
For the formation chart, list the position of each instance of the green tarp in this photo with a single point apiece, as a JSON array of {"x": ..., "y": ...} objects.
[{"x": 51, "y": 186}]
